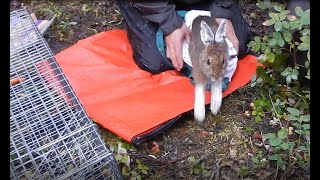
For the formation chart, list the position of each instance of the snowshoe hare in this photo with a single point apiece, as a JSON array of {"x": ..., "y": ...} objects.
[{"x": 208, "y": 51}]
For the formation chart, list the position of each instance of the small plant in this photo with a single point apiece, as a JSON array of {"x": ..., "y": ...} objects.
[
  {"x": 284, "y": 100},
  {"x": 198, "y": 167},
  {"x": 132, "y": 169},
  {"x": 259, "y": 161},
  {"x": 243, "y": 172}
]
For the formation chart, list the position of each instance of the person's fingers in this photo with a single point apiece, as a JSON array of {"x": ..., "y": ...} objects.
[
  {"x": 178, "y": 54},
  {"x": 173, "y": 57},
  {"x": 168, "y": 51}
]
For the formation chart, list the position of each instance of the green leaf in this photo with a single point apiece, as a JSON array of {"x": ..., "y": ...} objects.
[
  {"x": 288, "y": 79},
  {"x": 287, "y": 71},
  {"x": 196, "y": 170},
  {"x": 268, "y": 22},
  {"x": 191, "y": 159},
  {"x": 305, "y": 19},
  {"x": 144, "y": 171},
  {"x": 254, "y": 113},
  {"x": 304, "y": 46},
  {"x": 299, "y": 132},
  {"x": 138, "y": 177},
  {"x": 261, "y": 114},
  {"x": 118, "y": 157},
  {"x": 287, "y": 36},
  {"x": 257, "y": 118},
  {"x": 273, "y": 42},
  {"x": 274, "y": 16},
  {"x": 284, "y": 146},
  {"x": 283, "y": 133},
  {"x": 206, "y": 173},
  {"x": 307, "y": 64},
  {"x": 305, "y": 118},
  {"x": 281, "y": 164},
  {"x": 274, "y": 157},
  {"x": 134, "y": 173},
  {"x": 125, "y": 171},
  {"x": 298, "y": 156},
  {"x": 293, "y": 111},
  {"x": 277, "y": 8},
  {"x": 255, "y": 160},
  {"x": 302, "y": 148},
  {"x": 298, "y": 11},
  {"x": 294, "y": 24},
  {"x": 305, "y": 32},
  {"x": 285, "y": 24},
  {"x": 283, "y": 14},
  {"x": 257, "y": 44},
  {"x": 275, "y": 142},
  {"x": 280, "y": 42},
  {"x": 262, "y": 5},
  {"x": 271, "y": 57},
  {"x": 297, "y": 125},
  {"x": 269, "y": 136},
  {"x": 276, "y": 35},
  {"x": 278, "y": 26}
]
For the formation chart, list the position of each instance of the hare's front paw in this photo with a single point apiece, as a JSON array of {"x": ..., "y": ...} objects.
[
  {"x": 216, "y": 97},
  {"x": 215, "y": 105},
  {"x": 199, "y": 103},
  {"x": 199, "y": 113}
]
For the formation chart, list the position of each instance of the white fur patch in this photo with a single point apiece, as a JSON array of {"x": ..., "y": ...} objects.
[
  {"x": 199, "y": 103},
  {"x": 216, "y": 96}
]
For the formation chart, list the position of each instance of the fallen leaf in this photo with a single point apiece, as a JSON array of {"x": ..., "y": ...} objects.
[
  {"x": 291, "y": 101},
  {"x": 155, "y": 148},
  {"x": 233, "y": 153},
  {"x": 17, "y": 81},
  {"x": 204, "y": 134},
  {"x": 257, "y": 135}
]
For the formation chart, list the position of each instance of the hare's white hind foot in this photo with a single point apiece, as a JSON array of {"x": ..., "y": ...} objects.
[
  {"x": 216, "y": 96},
  {"x": 199, "y": 103}
]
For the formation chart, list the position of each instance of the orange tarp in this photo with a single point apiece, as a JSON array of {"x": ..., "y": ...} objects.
[{"x": 123, "y": 98}]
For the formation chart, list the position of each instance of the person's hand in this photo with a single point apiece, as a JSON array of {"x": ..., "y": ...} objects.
[
  {"x": 174, "y": 45},
  {"x": 230, "y": 34}
]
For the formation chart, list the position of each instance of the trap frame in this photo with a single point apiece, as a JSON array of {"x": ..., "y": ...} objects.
[{"x": 51, "y": 136}]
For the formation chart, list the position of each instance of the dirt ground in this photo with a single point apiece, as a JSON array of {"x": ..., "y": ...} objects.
[{"x": 224, "y": 143}]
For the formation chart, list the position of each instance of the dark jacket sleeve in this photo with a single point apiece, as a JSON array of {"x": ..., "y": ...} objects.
[
  {"x": 161, "y": 12},
  {"x": 223, "y": 8}
]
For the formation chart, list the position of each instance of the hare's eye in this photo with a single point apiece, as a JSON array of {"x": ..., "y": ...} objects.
[{"x": 208, "y": 62}]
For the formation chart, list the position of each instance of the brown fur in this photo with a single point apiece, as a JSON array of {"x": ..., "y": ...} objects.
[{"x": 200, "y": 54}]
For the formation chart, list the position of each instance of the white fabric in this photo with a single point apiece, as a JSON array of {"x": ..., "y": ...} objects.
[{"x": 232, "y": 63}]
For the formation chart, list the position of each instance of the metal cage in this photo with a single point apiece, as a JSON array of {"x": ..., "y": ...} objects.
[{"x": 51, "y": 136}]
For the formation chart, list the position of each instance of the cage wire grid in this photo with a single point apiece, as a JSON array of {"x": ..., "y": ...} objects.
[{"x": 51, "y": 136}]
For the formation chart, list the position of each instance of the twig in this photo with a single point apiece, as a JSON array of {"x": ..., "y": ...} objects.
[
  {"x": 275, "y": 110},
  {"x": 297, "y": 95},
  {"x": 216, "y": 174},
  {"x": 192, "y": 153},
  {"x": 275, "y": 176}
]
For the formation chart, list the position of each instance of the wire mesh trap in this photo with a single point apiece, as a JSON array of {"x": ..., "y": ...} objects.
[{"x": 51, "y": 136}]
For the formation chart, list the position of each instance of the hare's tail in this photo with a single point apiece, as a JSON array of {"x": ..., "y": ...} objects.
[
  {"x": 216, "y": 96},
  {"x": 199, "y": 103}
]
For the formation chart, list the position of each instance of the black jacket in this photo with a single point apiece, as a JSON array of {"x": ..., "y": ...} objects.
[{"x": 163, "y": 12}]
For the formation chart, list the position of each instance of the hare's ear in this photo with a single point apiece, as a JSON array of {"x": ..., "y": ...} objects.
[
  {"x": 221, "y": 31},
  {"x": 206, "y": 34}
]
